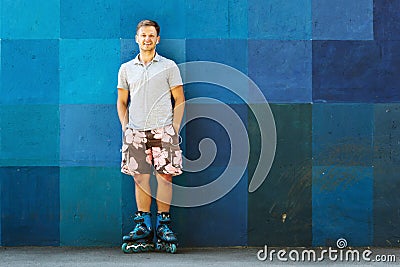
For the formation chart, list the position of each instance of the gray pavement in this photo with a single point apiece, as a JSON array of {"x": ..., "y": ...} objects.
[{"x": 109, "y": 257}]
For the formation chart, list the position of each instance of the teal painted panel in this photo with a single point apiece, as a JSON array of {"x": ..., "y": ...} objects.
[
  {"x": 343, "y": 19},
  {"x": 280, "y": 20},
  {"x": 342, "y": 199},
  {"x": 29, "y": 71},
  {"x": 29, "y": 135},
  {"x": 168, "y": 14},
  {"x": 90, "y": 209},
  {"x": 90, "y": 19},
  {"x": 33, "y": 19},
  {"x": 280, "y": 209},
  {"x": 89, "y": 71},
  {"x": 204, "y": 20}
]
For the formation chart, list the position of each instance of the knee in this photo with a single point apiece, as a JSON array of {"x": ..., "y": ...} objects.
[
  {"x": 141, "y": 178},
  {"x": 164, "y": 178}
]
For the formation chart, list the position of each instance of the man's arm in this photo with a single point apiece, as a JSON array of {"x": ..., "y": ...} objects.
[
  {"x": 122, "y": 107},
  {"x": 179, "y": 98}
]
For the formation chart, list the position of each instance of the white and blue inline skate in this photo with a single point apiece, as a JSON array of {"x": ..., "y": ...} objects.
[
  {"x": 140, "y": 239},
  {"x": 166, "y": 239}
]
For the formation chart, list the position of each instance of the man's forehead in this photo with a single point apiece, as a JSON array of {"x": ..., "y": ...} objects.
[{"x": 147, "y": 29}]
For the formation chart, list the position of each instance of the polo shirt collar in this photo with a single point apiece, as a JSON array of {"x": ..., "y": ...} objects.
[{"x": 156, "y": 58}]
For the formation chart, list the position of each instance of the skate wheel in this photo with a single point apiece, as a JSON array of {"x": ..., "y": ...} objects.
[
  {"x": 135, "y": 249},
  {"x": 125, "y": 249},
  {"x": 173, "y": 248},
  {"x": 159, "y": 246}
]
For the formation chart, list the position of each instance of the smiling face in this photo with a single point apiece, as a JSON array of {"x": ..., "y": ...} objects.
[{"x": 147, "y": 38}]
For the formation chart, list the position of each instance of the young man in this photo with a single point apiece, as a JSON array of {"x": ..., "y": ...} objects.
[{"x": 150, "y": 125}]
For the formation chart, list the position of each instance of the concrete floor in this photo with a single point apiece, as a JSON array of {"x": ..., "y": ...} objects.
[{"x": 109, "y": 257}]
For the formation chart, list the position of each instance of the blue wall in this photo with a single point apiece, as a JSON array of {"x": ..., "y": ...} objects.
[{"x": 329, "y": 70}]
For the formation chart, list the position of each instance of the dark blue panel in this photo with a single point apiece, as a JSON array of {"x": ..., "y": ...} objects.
[
  {"x": 281, "y": 69},
  {"x": 33, "y": 19},
  {"x": 29, "y": 72},
  {"x": 204, "y": 20},
  {"x": 215, "y": 129},
  {"x": 90, "y": 206},
  {"x": 342, "y": 205},
  {"x": 168, "y": 14},
  {"x": 83, "y": 78},
  {"x": 90, "y": 135},
  {"x": 386, "y": 20},
  {"x": 90, "y": 19},
  {"x": 280, "y": 20},
  {"x": 386, "y": 175},
  {"x": 221, "y": 223},
  {"x": 280, "y": 209},
  {"x": 342, "y": 20},
  {"x": 342, "y": 134},
  {"x": 356, "y": 71},
  {"x": 29, "y": 135},
  {"x": 30, "y": 206},
  {"x": 169, "y": 48}
]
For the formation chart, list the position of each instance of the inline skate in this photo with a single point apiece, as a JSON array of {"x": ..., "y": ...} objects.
[
  {"x": 166, "y": 239},
  {"x": 140, "y": 239}
]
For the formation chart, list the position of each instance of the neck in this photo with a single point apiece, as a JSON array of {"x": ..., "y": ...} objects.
[{"x": 147, "y": 56}]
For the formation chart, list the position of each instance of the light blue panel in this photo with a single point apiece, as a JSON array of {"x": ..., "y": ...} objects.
[
  {"x": 90, "y": 135},
  {"x": 168, "y": 14},
  {"x": 29, "y": 72},
  {"x": 342, "y": 205},
  {"x": 343, "y": 134},
  {"x": 29, "y": 135},
  {"x": 33, "y": 19},
  {"x": 30, "y": 206},
  {"x": 282, "y": 70},
  {"x": 280, "y": 20},
  {"x": 170, "y": 48},
  {"x": 221, "y": 223},
  {"x": 90, "y": 206},
  {"x": 343, "y": 20},
  {"x": 90, "y": 19},
  {"x": 89, "y": 71},
  {"x": 204, "y": 20}
]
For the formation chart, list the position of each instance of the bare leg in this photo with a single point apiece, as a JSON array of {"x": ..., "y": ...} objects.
[
  {"x": 143, "y": 192},
  {"x": 164, "y": 192}
]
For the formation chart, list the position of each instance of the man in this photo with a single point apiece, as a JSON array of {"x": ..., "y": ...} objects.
[{"x": 150, "y": 125}]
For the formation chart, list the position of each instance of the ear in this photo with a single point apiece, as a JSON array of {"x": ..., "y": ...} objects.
[
  {"x": 158, "y": 39},
  {"x": 136, "y": 40}
]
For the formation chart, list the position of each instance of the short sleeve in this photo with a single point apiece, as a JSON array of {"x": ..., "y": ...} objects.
[
  {"x": 122, "y": 79},
  {"x": 175, "y": 78}
]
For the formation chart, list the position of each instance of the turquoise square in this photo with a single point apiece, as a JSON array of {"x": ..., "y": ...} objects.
[
  {"x": 89, "y": 71},
  {"x": 34, "y": 19},
  {"x": 280, "y": 20},
  {"x": 29, "y": 135},
  {"x": 90, "y": 209}
]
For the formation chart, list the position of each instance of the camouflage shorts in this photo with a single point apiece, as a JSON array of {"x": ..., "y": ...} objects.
[{"x": 143, "y": 149}]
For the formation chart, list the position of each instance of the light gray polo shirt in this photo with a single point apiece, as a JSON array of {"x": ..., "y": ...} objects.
[{"x": 149, "y": 86}]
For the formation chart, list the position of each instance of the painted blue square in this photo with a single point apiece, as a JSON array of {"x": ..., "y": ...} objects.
[
  {"x": 168, "y": 14},
  {"x": 221, "y": 124},
  {"x": 29, "y": 72},
  {"x": 89, "y": 71},
  {"x": 33, "y": 19},
  {"x": 342, "y": 20},
  {"x": 29, "y": 135},
  {"x": 90, "y": 19},
  {"x": 356, "y": 71},
  {"x": 282, "y": 70},
  {"x": 280, "y": 20},
  {"x": 170, "y": 48},
  {"x": 386, "y": 20},
  {"x": 90, "y": 135},
  {"x": 342, "y": 134},
  {"x": 30, "y": 206},
  {"x": 204, "y": 20},
  {"x": 342, "y": 202},
  {"x": 90, "y": 206},
  {"x": 228, "y": 213}
]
